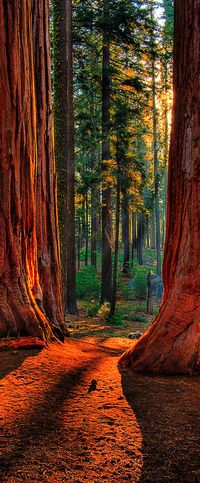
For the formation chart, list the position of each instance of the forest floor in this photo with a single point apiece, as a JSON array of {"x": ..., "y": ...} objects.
[{"x": 56, "y": 426}]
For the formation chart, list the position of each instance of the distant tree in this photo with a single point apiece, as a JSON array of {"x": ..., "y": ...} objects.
[
  {"x": 30, "y": 282},
  {"x": 155, "y": 144},
  {"x": 106, "y": 274},
  {"x": 64, "y": 144},
  {"x": 70, "y": 299},
  {"x": 172, "y": 344},
  {"x": 166, "y": 74},
  {"x": 59, "y": 40}
]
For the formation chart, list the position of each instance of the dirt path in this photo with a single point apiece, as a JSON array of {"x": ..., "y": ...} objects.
[{"x": 131, "y": 428}]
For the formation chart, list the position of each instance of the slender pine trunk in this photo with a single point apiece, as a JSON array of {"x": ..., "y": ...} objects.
[
  {"x": 106, "y": 282},
  {"x": 79, "y": 242},
  {"x": 155, "y": 159},
  {"x": 140, "y": 238},
  {"x": 93, "y": 229},
  {"x": 125, "y": 230},
  {"x": 152, "y": 230},
  {"x": 117, "y": 223},
  {"x": 60, "y": 119},
  {"x": 86, "y": 229},
  {"x": 166, "y": 149},
  {"x": 94, "y": 212},
  {"x": 70, "y": 300},
  {"x": 134, "y": 235},
  {"x": 147, "y": 230}
]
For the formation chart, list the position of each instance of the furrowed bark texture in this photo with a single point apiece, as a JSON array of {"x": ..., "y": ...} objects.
[
  {"x": 30, "y": 289},
  {"x": 172, "y": 345}
]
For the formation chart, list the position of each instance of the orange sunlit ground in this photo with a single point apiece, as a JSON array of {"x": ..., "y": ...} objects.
[{"x": 131, "y": 428}]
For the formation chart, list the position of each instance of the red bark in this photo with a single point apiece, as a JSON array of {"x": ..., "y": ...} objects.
[
  {"x": 30, "y": 289},
  {"x": 172, "y": 344}
]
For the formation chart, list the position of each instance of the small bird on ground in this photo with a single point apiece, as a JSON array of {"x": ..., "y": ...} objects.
[{"x": 93, "y": 386}]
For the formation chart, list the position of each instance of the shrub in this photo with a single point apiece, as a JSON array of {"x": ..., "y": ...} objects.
[
  {"x": 139, "y": 318},
  {"x": 140, "y": 307},
  {"x": 87, "y": 283},
  {"x": 116, "y": 319},
  {"x": 126, "y": 291},
  {"x": 93, "y": 309},
  {"x": 140, "y": 280},
  {"x": 133, "y": 268}
]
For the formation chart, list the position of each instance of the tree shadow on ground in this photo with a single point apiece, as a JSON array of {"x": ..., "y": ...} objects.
[
  {"x": 168, "y": 413},
  {"x": 102, "y": 344},
  {"x": 11, "y": 360},
  {"x": 42, "y": 427}
]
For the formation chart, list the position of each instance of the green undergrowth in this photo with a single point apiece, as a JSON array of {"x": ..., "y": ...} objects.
[
  {"x": 87, "y": 283},
  {"x": 131, "y": 303}
]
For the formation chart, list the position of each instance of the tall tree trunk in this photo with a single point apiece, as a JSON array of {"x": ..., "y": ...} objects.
[
  {"x": 172, "y": 344},
  {"x": 117, "y": 223},
  {"x": 94, "y": 228},
  {"x": 166, "y": 146},
  {"x": 140, "y": 238},
  {"x": 152, "y": 230},
  {"x": 125, "y": 230},
  {"x": 156, "y": 174},
  {"x": 147, "y": 230},
  {"x": 86, "y": 229},
  {"x": 79, "y": 241},
  {"x": 94, "y": 212},
  {"x": 30, "y": 282},
  {"x": 64, "y": 145},
  {"x": 70, "y": 300},
  {"x": 134, "y": 235},
  {"x": 60, "y": 118},
  {"x": 106, "y": 281}
]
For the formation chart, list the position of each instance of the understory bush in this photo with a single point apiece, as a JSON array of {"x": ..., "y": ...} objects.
[
  {"x": 116, "y": 319},
  {"x": 140, "y": 307},
  {"x": 139, "y": 318},
  {"x": 87, "y": 283},
  {"x": 93, "y": 309},
  {"x": 140, "y": 280}
]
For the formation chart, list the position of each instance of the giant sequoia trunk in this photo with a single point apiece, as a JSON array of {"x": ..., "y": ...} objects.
[
  {"x": 30, "y": 289},
  {"x": 172, "y": 345}
]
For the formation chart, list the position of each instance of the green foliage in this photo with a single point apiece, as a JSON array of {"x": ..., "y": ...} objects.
[
  {"x": 140, "y": 280},
  {"x": 140, "y": 307},
  {"x": 125, "y": 291},
  {"x": 139, "y": 318},
  {"x": 87, "y": 283},
  {"x": 93, "y": 309},
  {"x": 133, "y": 268},
  {"x": 116, "y": 319}
]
